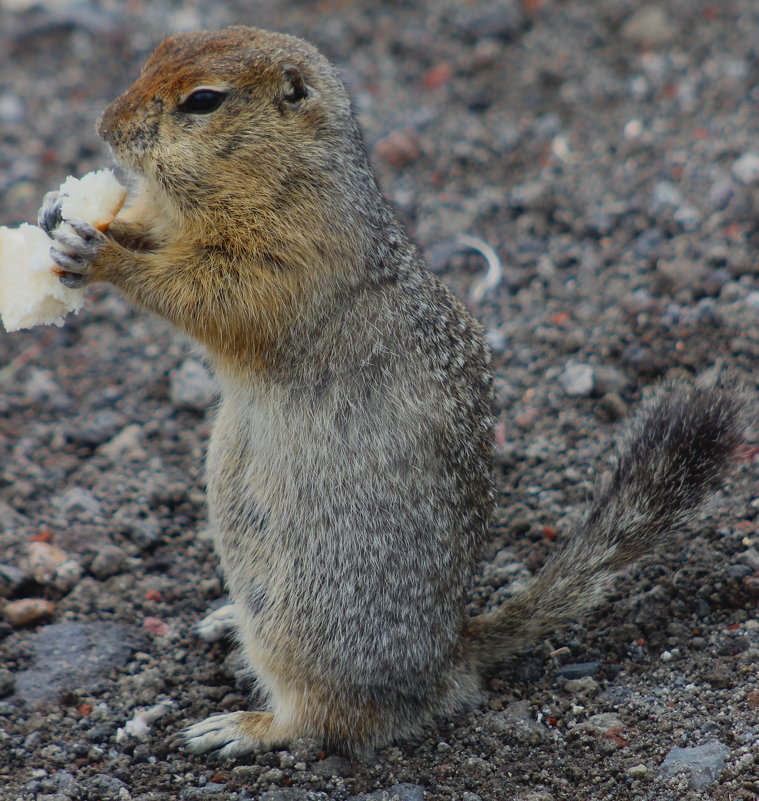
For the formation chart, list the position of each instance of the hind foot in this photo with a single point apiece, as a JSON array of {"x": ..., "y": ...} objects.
[{"x": 233, "y": 734}]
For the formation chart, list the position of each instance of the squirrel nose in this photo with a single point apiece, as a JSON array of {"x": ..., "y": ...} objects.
[{"x": 105, "y": 125}]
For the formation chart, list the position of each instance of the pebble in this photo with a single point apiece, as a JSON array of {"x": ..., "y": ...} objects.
[
  {"x": 604, "y": 724},
  {"x": 105, "y": 788},
  {"x": 518, "y": 721},
  {"x": 702, "y": 763},
  {"x": 71, "y": 655},
  {"x": 399, "y": 148},
  {"x": 608, "y": 379},
  {"x": 649, "y": 27},
  {"x": 533, "y": 196},
  {"x": 398, "y": 792},
  {"x": 285, "y": 794},
  {"x": 584, "y": 686},
  {"x": 305, "y": 749},
  {"x": 41, "y": 387},
  {"x": 43, "y": 560},
  {"x": 126, "y": 444},
  {"x": 11, "y": 579},
  {"x": 109, "y": 561},
  {"x": 614, "y": 406},
  {"x": 746, "y": 168},
  {"x": 676, "y": 274},
  {"x": 138, "y": 726},
  {"x": 7, "y": 682},
  {"x": 750, "y": 558},
  {"x": 26, "y": 611},
  {"x": 576, "y": 670},
  {"x": 637, "y": 771},
  {"x": 191, "y": 386},
  {"x": 94, "y": 430},
  {"x": 665, "y": 195},
  {"x": 333, "y": 766},
  {"x": 577, "y": 379},
  {"x": 67, "y": 575},
  {"x": 502, "y": 19},
  {"x": 78, "y": 504},
  {"x": 210, "y": 789}
]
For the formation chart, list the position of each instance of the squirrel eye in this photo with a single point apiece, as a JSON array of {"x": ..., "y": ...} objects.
[{"x": 202, "y": 101}]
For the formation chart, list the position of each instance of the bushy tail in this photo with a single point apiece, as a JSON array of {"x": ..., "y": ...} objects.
[{"x": 674, "y": 453}]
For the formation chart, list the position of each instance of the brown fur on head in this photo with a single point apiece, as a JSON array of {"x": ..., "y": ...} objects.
[
  {"x": 267, "y": 189},
  {"x": 280, "y": 101}
]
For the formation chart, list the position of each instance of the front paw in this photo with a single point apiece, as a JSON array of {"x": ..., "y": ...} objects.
[{"x": 76, "y": 245}]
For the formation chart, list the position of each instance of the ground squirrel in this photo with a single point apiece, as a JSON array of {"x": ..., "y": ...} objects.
[{"x": 350, "y": 471}]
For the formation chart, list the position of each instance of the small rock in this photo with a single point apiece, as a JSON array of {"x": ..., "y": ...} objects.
[
  {"x": 140, "y": 723},
  {"x": 104, "y": 787},
  {"x": 517, "y": 720},
  {"x": 649, "y": 27},
  {"x": 78, "y": 504},
  {"x": 305, "y": 749},
  {"x": 604, "y": 724},
  {"x": 608, "y": 379},
  {"x": 333, "y": 766},
  {"x": 584, "y": 686},
  {"x": 207, "y": 790},
  {"x": 677, "y": 274},
  {"x": 11, "y": 579},
  {"x": 191, "y": 386},
  {"x": 702, "y": 763},
  {"x": 74, "y": 655},
  {"x": 285, "y": 794},
  {"x": 502, "y": 19},
  {"x": 156, "y": 626},
  {"x": 577, "y": 379},
  {"x": 27, "y": 610},
  {"x": 665, "y": 196},
  {"x": 95, "y": 429},
  {"x": 753, "y": 699},
  {"x": 398, "y": 792},
  {"x": 7, "y": 682},
  {"x": 533, "y": 196},
  {"x": 109, "y": 561},
  {"x": 399, "y": 148},
  {"x": 43, "y": 560},
  {"x": 638, "y": 771},
  {"x": 576, "y": 670},
  {"x": 746, "y": 168},
  {"x": 41, "y": 387},
  {"x": 67, "y": 575},
  {"x": 614, "y": 407},
  {"x": 750, "y": 557},
  {"x": 720, "y": 676},
  {"x": 127, "y": 443}
]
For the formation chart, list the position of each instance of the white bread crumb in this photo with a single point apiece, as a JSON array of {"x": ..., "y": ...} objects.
[
  {"x": 96, "y": 197},
  {"x": 30, "y": 291}
]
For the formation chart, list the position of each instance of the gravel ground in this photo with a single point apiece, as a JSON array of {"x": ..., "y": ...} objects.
[{"x": 608, "y": 151}]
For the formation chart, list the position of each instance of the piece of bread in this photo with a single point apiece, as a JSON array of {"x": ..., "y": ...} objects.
[{"x": 30, "y": 290}]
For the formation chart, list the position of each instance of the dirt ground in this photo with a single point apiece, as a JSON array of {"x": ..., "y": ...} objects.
[{"x": 608, "y": 151}]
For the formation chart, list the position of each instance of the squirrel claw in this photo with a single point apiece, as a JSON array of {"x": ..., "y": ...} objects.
[{"x": 49, "y": 215}]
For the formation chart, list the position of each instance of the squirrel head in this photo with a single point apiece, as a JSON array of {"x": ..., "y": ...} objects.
[{"x": 240, "y": 124}]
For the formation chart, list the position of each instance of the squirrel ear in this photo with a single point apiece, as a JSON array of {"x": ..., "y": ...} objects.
[{"x": 295, "y": 85}]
